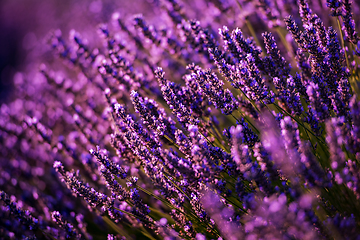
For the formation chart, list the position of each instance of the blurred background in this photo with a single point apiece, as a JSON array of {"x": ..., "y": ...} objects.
[{"x": 24, "y": 25}]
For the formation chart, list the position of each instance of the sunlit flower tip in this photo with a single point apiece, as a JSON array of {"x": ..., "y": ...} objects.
[
  {"x": 107, "y": 91},
  {"x": 57, "y": 164},
  {"x": 193, "y": 128},
  {"x": 134, "y": 94}
]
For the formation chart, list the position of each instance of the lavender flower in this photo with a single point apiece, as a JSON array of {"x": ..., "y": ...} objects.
[
  {"x": 305, "y": 11},
  {"x": 153, "y": 116},
  {"x": 211, "y": 86},
  {"x": 230, "y": 44},
  {"x": 69, "y": 229},
  {"x": 248, "y": 47},
  {"x": 238, "y": 145},
  {"x": 72, "y": 181},
  {"x": 251, "y": 83},
  {"x": 24, "y": 216},
  {"x": 349, "y": 23},
  {"x": 335, "y": 7},
  {"x": 169, "y": 92}
]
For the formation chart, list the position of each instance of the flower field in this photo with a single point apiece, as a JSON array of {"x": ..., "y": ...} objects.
[{"x": 221, "y": 119}]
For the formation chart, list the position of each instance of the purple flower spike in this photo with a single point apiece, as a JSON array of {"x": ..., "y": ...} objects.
[
  {"x": 212, "y": 87},
  {"x": 349, "y": 23},
  {"x": 335, "y": 7},
  {"x": 71, "y": 232},
  {"x": 173, "y": 100},
  {"x": 230, "y": 44},
  {"x": 153, "y": 117}
]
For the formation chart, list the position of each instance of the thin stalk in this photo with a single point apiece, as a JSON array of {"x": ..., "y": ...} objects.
[
  {"x": 253, "y": 34},
  {"x": 171, "y": 141},
  {"x": 217, "y": 133},
  {"x": 158, "y": 198},
  {"x": 166, "y": 203},
  {"x": 283, "y": 40},
  {"x": 219, "y": 146},
  {"x": 287, "y": 46},
  {"x": 267, "y": 108},
  {"x": 299, "y": 122},
  {"x": 256, "y": 130},
  {"x": 47, "y": 234},
  {"x": 252, "y": 103},
  {"x": 177, "y": 187},
  {"x": 115, "y": 227},
  {"x": 142, "y": 230},
  {"x": 194, "y": 217},
  {"x": 307, "y": 134},
  {"x": 234, "y": 204}
]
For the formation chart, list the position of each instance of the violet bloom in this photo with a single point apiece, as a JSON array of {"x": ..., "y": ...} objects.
[
  {"x": 349, "y": 23},
  {"x": 170, "y": 95},
  {"x": 212, "y": 87},
  {"x": 153, "y": 117}
]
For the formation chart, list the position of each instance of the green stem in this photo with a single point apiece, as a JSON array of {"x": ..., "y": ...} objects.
[
  {"x": 171, "y": 141},
  {"x": 47, "y": 234},
  {"x": 252, "y": 103},
  {"x": 177, "y": 186},
  {"x": 115, "y": 227},
  {"x": 307, "y": 134},
  {"x": 256, "y": 130},
  {"x": 287, "y": 46},
  {"x": 322, "y": 142},
  {"x": 165, "y": 202},
  {"x": 158, "y": 198},
  {"x": 219, "y": 146},
  {"x": 253, "y": 34},
  {"x": 217, "y": 133},
  {"x": 299, "y": 122}
]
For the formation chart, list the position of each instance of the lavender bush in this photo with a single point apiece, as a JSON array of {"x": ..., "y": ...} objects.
[{"x": 241, "y": 124}]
